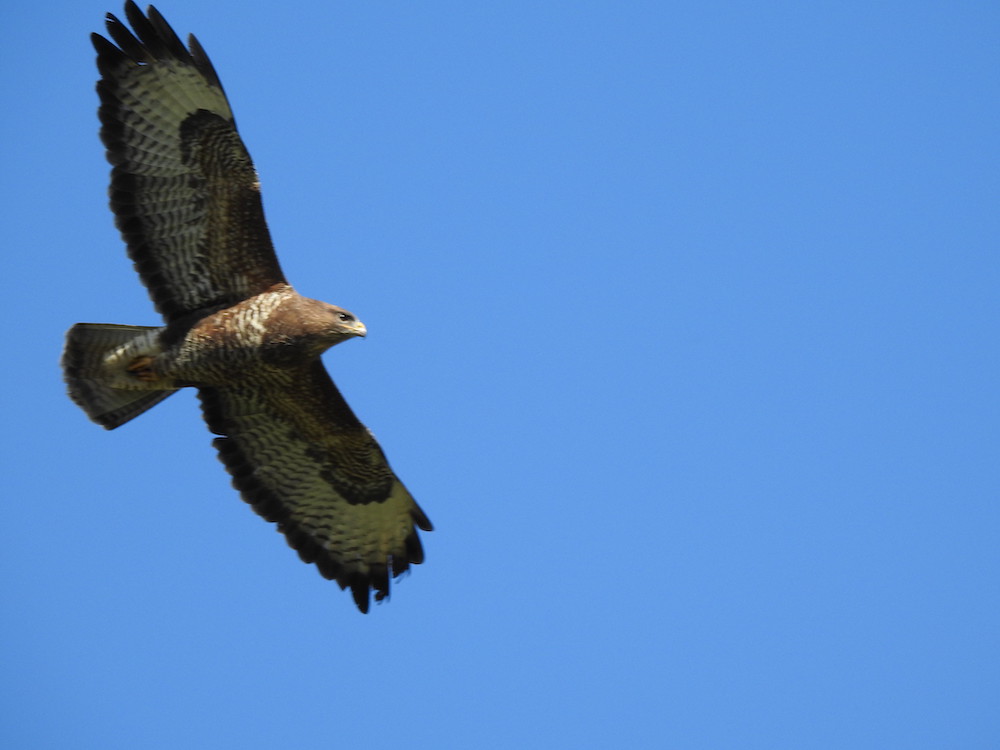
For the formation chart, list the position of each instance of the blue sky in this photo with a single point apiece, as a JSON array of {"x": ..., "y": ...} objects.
[{"x": 683, "y": 330}]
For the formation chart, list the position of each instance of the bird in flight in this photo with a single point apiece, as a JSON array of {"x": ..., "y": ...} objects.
[{"x": 186, "y": 199}]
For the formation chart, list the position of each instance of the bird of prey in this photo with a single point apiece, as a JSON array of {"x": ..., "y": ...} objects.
[{"x": 186, "y": 199}]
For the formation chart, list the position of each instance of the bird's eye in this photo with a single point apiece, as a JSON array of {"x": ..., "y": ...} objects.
[{"x": 346, "y": 317}]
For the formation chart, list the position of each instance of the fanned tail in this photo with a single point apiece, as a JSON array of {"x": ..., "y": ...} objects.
[{"x": 94, "y": 366}]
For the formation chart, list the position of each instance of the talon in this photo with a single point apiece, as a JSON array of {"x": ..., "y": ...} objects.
[{"x": 142, "y": 369}]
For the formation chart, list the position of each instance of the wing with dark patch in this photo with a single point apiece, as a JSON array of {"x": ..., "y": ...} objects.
[
  {"x": 183, "y": 187},
  {"x": 301, "y": 458}
]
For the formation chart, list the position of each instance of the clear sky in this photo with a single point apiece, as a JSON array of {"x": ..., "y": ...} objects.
[{"x": 683, "y": 330}]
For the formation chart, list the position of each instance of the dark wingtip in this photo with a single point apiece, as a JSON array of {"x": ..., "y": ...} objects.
[
  {"x": 359, "y": 589},
  {"x": 150, "y": 38},
  {"x": 420, "y": 518}
]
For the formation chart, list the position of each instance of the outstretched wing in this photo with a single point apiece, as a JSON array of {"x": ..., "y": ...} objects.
[
  {"x": 183, "y": 187},
  {"x": 302, "y": 459}
]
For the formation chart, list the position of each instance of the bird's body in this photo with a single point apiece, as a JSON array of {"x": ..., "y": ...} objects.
[{"x": 187, "y": 201}]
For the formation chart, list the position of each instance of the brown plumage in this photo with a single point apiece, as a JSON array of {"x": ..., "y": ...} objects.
[{"x": 187, "y": 202}]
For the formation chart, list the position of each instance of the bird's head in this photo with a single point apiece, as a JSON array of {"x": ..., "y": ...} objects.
[
  {"x": 343, "y": 324},
  {"x": 302, "y": 328}
]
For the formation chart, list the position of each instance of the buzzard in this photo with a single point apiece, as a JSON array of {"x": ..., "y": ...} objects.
[{"x": 187, "y": 202}]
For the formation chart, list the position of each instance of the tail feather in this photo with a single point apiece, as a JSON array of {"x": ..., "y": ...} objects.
[{"x": 94, "y": 362}]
